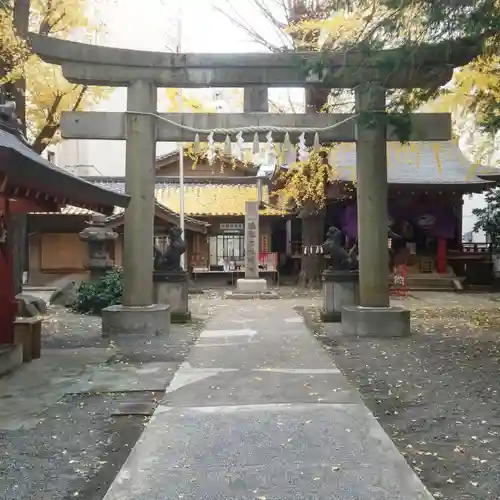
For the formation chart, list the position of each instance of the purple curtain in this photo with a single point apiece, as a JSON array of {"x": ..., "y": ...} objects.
[{"x": 438, "y": 222}]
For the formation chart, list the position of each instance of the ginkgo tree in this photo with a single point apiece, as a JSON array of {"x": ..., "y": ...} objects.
[
  {"x": 460, "y": 33},
  {"x": 48, "y": 93}
]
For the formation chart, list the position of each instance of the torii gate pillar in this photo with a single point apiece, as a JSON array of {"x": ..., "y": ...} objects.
[
  {"x": 140, "y": 185},
  {"x": 372, "y": 194},
  {"x": 374, "y": 316}
]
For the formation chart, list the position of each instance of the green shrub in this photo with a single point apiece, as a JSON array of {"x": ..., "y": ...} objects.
[{"x": 93, "y": 296}]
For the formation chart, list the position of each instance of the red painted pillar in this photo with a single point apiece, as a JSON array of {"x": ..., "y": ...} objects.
[
  {"x": 442, "y": 264},
  {"x": 8, "y": 305}
]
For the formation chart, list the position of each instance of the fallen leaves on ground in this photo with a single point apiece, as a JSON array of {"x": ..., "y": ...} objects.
[{"x": 475, "y": 320}]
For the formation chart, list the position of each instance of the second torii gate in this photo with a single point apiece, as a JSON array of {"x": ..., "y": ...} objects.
[{"x": 144, "y": 72}]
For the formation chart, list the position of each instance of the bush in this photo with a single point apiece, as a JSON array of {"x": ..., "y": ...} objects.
[{"x": 93, "y": 296}]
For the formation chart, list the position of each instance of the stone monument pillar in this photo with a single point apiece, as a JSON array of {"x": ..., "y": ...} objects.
[
  {"x": 251, "y": 240},
  {"x": 97, "y": 237},
  {"x": 251, "y": 284}
]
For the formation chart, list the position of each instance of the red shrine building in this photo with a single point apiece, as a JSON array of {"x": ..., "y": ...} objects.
[
  {"x": 427, "y": 183},
  {"x": 28, "y": 184}
]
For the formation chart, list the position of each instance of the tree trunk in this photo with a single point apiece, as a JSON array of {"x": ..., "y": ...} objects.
[
  {"x": 16, "y": 239},
  {"x": 21, "y": 23},
  {"x": 17, "y": 222},
  {"x": 313, "y": 222}
]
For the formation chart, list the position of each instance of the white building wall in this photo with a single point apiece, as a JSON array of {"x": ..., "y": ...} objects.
[
  {"x": 484, "y": 151},
  {"x": 468, "y": 219}
]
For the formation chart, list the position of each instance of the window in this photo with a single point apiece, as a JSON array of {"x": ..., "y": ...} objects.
[{"x": 230, "y": 247}]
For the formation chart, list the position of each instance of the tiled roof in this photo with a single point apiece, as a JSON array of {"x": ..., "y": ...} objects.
[
  {"x": 118, "y": 212},
  {"x": 72, "y": 210},
  {"x": 173, "y": 156},
  {"x": 212, "y": 199},
  {"x": 27, "y": 169},
  {"x": 413, "y": 163},
  {"x": 207, "y": 199}
]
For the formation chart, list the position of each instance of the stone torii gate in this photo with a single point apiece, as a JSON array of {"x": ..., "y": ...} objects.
[{"x": 144, "y": 72}]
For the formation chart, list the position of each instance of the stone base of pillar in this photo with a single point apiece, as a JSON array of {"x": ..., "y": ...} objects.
[
  {"x": 269, "y": 294},
  {"x": 247, "y": 288},
  {"x": 141, "y": 320},
  {"x": 171, "y": 287},
  {"x": 375, "y": 321},
  {"x": 246, "y": 285},
  {"x": 340, "y": 289}
]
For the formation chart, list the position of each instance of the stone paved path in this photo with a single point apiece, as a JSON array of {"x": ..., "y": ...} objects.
[{"x": 259, "y": 411}]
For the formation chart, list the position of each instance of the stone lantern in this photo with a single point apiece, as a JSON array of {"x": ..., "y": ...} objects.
[{"x": 97, "y": 237}]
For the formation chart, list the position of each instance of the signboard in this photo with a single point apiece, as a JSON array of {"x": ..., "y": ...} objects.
[
  {"x": 251, "y": 239},
  {"x": 264, "y": 243},
  {"x": 426, "y": 221},
  {"x": 232, "y": 226}
]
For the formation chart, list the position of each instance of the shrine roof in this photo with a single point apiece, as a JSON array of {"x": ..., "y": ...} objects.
[
  {"x": 433, "y": 163},
  {"x": 29, "y": 174},
  {"x": 203, "y": 198},
  {"x": 115, "y": 219}
]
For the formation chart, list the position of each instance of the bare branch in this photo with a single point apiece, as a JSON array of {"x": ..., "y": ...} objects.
[
  {"x": 253, "y": 34},
  {"x": 234, "y": 15}
]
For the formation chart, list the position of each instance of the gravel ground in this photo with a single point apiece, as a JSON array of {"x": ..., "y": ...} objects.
[
  {"x": 80, "y": 444},
  {"x": 74, "y": 453},
  {"x": 436, "y": 393}
]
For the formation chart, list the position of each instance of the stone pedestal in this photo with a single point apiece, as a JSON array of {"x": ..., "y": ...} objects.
[
  {"x": 246, "y": 285},
  {"x": 340, "y": 289},
  {"x": 375, "y": 321},
  {"x": 171, "y": 287},
  {"x": 142, "y": 320},
  {"x": 252, "y": 289}
]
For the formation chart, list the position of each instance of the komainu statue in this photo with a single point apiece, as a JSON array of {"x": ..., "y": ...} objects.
[
  {"x": 170, "y": 260},
  {"x": 340, "y": 258}
]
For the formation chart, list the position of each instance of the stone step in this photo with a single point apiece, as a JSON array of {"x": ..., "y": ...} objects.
[{"x": 434, "y": 284}]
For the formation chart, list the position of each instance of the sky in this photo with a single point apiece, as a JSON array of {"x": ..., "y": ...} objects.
[{"x": 128, "y": 24}]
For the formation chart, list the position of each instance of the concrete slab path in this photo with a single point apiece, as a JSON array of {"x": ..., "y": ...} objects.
[{"x": 258, "y": 411}]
